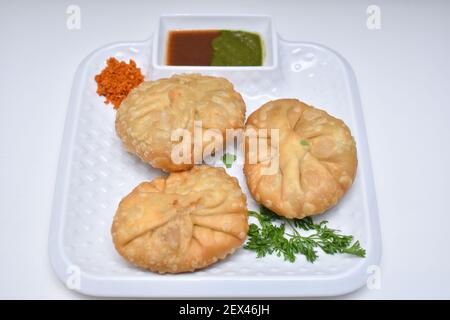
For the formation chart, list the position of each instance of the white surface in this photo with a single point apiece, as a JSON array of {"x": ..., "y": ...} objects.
[
  {"x": 402, "y": 72},
  {"x": 96, "y": 173}
]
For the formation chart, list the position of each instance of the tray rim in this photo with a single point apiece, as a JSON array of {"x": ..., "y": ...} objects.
[{"x": 320, "y": 286}]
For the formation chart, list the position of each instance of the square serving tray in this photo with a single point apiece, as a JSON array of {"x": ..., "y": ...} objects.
[{"x": 95, "y": 172}]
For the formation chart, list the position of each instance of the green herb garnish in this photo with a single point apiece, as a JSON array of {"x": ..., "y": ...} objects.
[
  {"x": 269, "y": 238},
  {"x": 228, "y": 159},
  {"x": 304, "y": 142}
]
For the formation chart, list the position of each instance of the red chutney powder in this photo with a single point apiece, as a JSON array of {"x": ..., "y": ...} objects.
[{"x": 117, "y": 79}]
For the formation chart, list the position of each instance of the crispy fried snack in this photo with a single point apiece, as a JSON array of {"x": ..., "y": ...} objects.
[
  {"x": 181, "y": 223},
  {"x": 151, "y": 113},
  {"x": 317, "y": 159}
]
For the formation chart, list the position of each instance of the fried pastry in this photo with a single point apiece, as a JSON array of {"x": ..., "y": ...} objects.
[
  {"x": 316, "y": 162},
  {"x": 181, "y": 223},
  {"x": 152, "y": 112}
]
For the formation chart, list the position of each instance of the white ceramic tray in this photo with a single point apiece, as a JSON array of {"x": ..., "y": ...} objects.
[{"x": 95, "y": 172}]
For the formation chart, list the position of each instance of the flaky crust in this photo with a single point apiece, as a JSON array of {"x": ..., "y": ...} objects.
[
  {"x": 151, "y": 112},
  {"x": 181, "y": 223},
  {"x": 317, "y": 159}
]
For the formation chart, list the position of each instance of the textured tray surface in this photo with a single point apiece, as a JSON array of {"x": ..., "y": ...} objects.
[{"x": 96, "y": 172}]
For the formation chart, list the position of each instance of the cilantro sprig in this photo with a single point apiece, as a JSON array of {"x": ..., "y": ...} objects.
[
  {"x": 228, "y": 159},
  {"x": 291, "y": 237}
]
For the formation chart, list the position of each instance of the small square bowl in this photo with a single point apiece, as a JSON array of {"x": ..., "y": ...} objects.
[{"x": 260, "y": 24}]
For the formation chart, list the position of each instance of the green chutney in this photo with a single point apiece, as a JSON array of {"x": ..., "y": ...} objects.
[{"x": 237, "y": 48}]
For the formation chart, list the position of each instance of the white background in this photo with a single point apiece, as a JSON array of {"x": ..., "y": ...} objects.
[{"x": 403, "y": 71}]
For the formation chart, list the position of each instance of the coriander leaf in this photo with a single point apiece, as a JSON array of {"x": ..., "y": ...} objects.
[
  {"x": 356, "y": 250},
  {"x": 272, "y": 237},
  {"x": 228, "y": 159},
  {"x": 304, "y": 142},
  {"x": 269, "y": 214}
]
